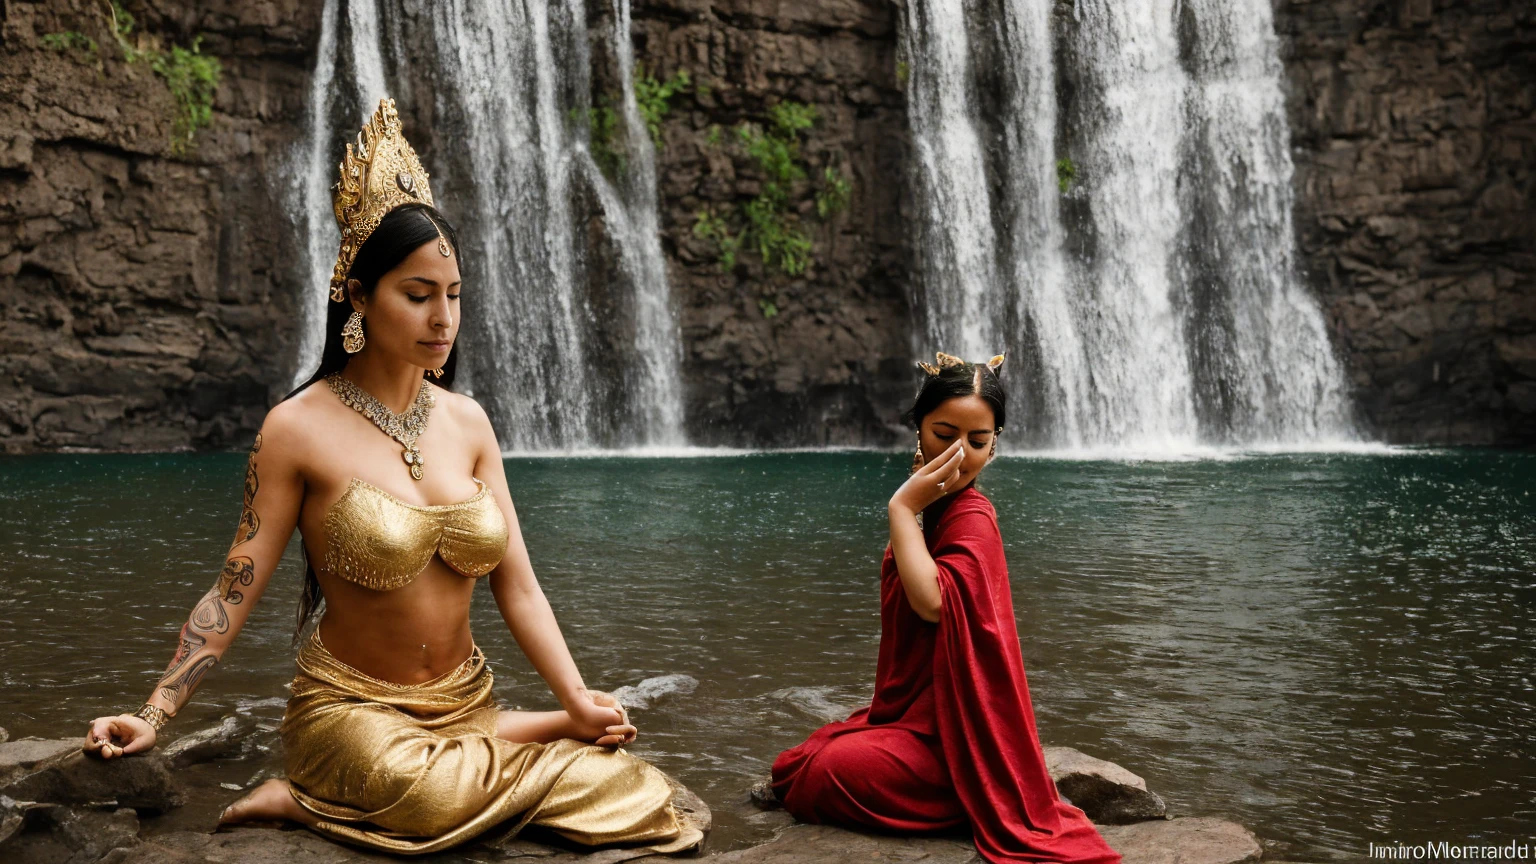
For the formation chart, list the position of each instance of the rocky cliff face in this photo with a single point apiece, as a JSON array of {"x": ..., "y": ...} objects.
[
  {"x": 147, "y": 302},
  {"x": 822, "y": 357},
  {"x": 1414, "y": 137},
  {"x": 150, "y": 303}
]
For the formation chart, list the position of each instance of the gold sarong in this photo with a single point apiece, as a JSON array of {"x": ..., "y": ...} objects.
[{"x": 418, "y": 768}]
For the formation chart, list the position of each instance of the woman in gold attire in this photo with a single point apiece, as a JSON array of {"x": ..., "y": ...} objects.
[{"x": 391, "y": 737}]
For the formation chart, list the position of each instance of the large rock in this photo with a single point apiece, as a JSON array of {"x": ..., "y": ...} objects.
[
  {"x": 1189, "y": 840},
  {"x": 143, "y": 782},
  {"x": 1193, "y": 840},
  {"x": 19, "y": 758},
  {"x": 1109, "y": 794},
  {"x": 80, "y": 835}
]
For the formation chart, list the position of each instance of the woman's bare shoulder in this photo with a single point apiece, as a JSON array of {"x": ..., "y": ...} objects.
[
  {"x": 289, "y": 429},
  {"x": 468, "y": 413}
]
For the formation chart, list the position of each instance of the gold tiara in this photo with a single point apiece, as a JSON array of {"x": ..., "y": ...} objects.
[
  {"x": 378, "y": 174},
  {"x": 947, "y": 360}
]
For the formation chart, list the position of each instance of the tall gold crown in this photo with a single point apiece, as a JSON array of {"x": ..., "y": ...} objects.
[{"x": 378, "y": 174}]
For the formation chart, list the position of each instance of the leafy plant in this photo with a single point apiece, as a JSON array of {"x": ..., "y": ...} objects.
[
  {"x": 654, "y": 98},
  {"x": 1066, "y": 173},
  {"x": 122, "y": 31},
  {"x": 192, "y": 78},
  {"x": 602, "y": 131},
  {"x": 833, "y": 196},
  {"x": 714, "y": 137},
  {"x": 777, "y": 238},
  {"x": 769, "y": 226},
  {"x": 769, "y": 308},
  {"x": 708, "y": 226},
  {"x": 70, "y": 40}
]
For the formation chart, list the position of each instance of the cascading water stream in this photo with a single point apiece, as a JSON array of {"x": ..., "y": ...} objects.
[
  {"x": 1154, "y": 304},
  {"x": 509, "y": 161}
]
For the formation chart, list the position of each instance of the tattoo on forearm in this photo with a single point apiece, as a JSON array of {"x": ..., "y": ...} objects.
[
  {"x": 209, "y": 616},
  {"x": 192, "y": 661},
  {"x": 239, "y": 570},
  {"x": 249, "y": 521},
  {"x": 177, "y": 689},
  {"x": 189, "y": 644}
]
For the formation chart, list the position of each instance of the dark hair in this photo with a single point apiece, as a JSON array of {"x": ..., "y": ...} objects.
[
  {"x": 402, "y": 231},
  {"x": 956, "y": 381}
]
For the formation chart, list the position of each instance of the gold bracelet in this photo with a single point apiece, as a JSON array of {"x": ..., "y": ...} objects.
[{"x": 154, "y": 716}]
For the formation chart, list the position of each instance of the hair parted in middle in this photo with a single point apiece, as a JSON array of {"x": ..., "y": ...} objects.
[{"x": 952, "y": 378}]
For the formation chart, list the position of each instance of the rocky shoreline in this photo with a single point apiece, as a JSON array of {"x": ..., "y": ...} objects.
[{"x": 57, "y": 805}]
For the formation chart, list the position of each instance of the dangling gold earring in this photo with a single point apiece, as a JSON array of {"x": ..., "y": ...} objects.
[
  {"x": 436, "y": 373},
  {"x": 917, "y": 458},
  {"x": 352, "y": 334}
]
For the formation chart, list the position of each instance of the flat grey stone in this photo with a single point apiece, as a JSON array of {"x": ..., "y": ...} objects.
[
  {"x": 242, "y": 846},
  {"x": 814, "y": 844},
  {"x": 1187, "y": 840},
  {"x": 205, "y": 745},
  {"x": 1109, "y": 794}
]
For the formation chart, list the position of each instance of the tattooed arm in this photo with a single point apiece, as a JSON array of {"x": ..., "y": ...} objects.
[{"x": 273, "y": 492}]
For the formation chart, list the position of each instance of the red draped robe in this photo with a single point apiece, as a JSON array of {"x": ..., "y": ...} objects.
[{"x": 949, "y": 739}]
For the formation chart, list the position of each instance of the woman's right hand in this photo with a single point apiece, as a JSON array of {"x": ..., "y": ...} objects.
[
  {"x": 122, "y": 735},
  {"x": 930, "y": 482}
]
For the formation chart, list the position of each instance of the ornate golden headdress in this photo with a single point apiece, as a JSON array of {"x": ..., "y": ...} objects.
[
  {"x": 948, "y": 360},
  {"x": 377, "y": 175}
]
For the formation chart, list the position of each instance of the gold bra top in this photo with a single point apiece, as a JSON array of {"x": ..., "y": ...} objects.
[{"x": 381, "y": 542}]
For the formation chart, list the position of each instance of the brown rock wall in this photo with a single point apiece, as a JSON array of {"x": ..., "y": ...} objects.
[
  {"x": 1414, "y": 137},
  {"x": 149, "y": 304}
]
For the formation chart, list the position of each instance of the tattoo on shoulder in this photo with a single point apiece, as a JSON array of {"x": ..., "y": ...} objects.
[
  {"x": 249, "y": 521},
  {"x": 182, "y": 686}
]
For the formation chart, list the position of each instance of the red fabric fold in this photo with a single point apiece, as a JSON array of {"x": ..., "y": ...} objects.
[{"x": 949, "y": 739}]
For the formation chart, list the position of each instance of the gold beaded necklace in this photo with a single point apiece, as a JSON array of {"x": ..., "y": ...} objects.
[{"x": 405, "y": 428}]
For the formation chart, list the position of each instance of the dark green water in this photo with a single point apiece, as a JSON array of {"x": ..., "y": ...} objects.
[{"x": 1331, "y": 649}]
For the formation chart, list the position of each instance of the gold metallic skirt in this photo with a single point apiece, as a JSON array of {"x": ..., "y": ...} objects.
[{"x": 418, "y": 768}]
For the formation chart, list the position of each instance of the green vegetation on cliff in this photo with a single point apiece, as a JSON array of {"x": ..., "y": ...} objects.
[
  {"x": 769, "y": 223},
  {"x": 189, "y": 75},
  {"x": 654, "y": 98},
  {"x": 71, "y": 41}
]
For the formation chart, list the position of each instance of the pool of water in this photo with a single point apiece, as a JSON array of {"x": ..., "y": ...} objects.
[{"x": 1330, "y": 648}]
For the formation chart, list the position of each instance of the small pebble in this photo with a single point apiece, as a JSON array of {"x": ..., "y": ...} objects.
[{"x": 233, "y": 787}]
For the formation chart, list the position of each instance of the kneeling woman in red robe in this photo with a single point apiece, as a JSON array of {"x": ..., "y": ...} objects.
[{"x": 949, "y": 739}]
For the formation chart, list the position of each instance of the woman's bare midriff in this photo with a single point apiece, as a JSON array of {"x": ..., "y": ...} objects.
[{"x": 406, "y": 636}]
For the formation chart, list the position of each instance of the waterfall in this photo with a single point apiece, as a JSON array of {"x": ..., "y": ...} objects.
[
  {"x": 562, "y": 353},
  {"x": 1154, "y": 303}
]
